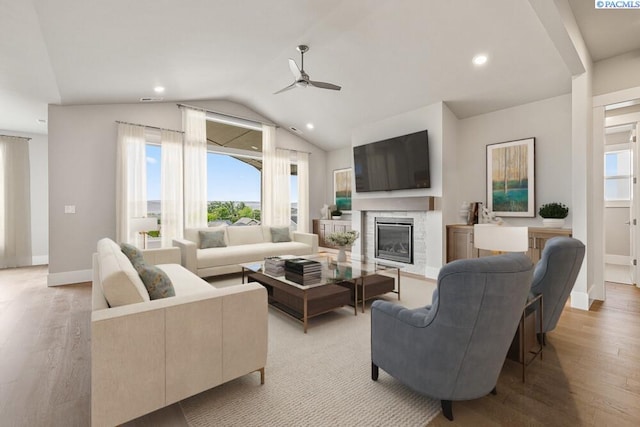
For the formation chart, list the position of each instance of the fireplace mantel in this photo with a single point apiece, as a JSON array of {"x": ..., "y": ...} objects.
[{"x": 424, "y": 203}]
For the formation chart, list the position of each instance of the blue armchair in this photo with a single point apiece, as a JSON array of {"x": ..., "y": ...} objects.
[
  {"x": 554, "y": 277},
  {"x": 454, "y": 349}
]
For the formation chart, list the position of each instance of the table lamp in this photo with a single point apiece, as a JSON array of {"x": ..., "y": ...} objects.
[
  {"x": 501, "y": 238},
  {"x": 141, "y": 226}
]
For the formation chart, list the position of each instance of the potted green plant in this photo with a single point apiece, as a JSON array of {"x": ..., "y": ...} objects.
[
  {"x": 336, "y": 214},
  {"x": 553, "y": 214}
]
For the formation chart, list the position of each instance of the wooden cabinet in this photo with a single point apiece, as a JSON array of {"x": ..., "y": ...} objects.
[
  {"x": 324, "y": 227},
  {"x": 460, "y": 241}
]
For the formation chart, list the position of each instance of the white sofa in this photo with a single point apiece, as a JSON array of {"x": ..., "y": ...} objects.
[
  {"x": 147, "y": 354},
  {"x": 244, "y": 244}
]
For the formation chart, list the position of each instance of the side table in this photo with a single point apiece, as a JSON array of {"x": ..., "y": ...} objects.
[{"x": 525, "y": 346}]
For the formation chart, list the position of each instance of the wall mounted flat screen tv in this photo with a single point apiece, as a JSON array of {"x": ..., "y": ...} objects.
[{"x": 398, "y": 163}]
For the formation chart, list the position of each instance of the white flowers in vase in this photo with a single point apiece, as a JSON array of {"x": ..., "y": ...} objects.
[{"x": 340, "y": 238}]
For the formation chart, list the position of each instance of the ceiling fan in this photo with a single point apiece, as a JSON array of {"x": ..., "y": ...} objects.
[{"x": 302, "y": 78}]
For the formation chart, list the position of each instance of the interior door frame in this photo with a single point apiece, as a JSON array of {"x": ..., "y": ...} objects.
[{"x": 600, "y": 103}]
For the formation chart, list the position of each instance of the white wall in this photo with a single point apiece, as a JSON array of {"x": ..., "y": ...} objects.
[
  {"x": 82, "y": 173},
  {"x": 549, "y": 121},
  {"x": 431, "y": 118},
  {"x": 617, "y": 73},
  {"x": 38, "y": 175}
]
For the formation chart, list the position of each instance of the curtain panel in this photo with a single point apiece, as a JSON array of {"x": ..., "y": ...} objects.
[
  {"x": 15, "y": 203},
  {"x": 303, "y": 191},
  {"x": 195, "y": 167},
  {"x": 171, "y": 187},
  {"x": 282, "y": 188},
  {"x": 268, "y": 174},
  {"x": 131, "y": 180}
]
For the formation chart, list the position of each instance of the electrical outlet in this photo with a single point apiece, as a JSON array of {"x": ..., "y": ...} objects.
[{"x": 70, "y": 209}]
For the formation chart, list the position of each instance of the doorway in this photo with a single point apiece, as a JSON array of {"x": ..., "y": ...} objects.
[{"x": 621, "y": 193}]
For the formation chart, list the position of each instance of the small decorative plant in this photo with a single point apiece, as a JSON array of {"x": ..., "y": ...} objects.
[
  {"x": 554, "y": 210},
  {"x": 343, "y": 238},
  {"x": 153, "y": 233},
  {"x": 336, "y": 212}
]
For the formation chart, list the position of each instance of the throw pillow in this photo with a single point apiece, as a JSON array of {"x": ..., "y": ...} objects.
[
  {"x": 156, "y": 281},
  {"x": 212, "y": 239},
  {"x": 280, "y": 234},
  {"x": 134, "y": 254}
]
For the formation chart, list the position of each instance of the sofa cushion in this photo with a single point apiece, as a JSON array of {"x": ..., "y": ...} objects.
[
  {"x": 184, "y": 281},
  {"x": 215, "y": 257},
  {"x": 245, "y": 235},
  {"x": 212, "y": 239},
  {"x": 121, "y": 284},
  {"x": 134, "y": 254},
  {"x": 280, "y": 234},
  {"x": 193, "y": 234},
  {"x": 156, "y": 281}
]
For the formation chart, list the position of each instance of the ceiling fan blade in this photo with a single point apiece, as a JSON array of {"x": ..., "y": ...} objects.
[
  {"x": 291, "y": 86},
  {"x": 323, "y": 85},
  {"x": 294, "y": 69}
]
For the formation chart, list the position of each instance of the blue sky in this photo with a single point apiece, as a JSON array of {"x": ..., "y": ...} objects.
[{"x": 227, "y": 178}]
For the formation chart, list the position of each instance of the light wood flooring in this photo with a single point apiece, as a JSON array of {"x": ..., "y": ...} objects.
[{"x": 590, "y": 374}]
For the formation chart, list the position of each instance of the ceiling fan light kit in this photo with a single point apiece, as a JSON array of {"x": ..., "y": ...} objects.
[{"x": 301, "y": 77}]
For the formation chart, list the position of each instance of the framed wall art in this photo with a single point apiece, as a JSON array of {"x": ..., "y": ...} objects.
[
  {"x": 342, "y": 189},
  {"x": 511, "y": 178}
]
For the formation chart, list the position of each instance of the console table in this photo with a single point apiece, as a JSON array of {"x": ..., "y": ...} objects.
[
  {"x": 325, "y": 227},
  {"x": 460, "y": 241}
]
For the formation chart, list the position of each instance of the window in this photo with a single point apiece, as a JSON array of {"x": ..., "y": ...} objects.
[
  {"x": 617, "y": 175},
  {"x": 153, "y": 180},
  {"x": 233, "y": 189}
]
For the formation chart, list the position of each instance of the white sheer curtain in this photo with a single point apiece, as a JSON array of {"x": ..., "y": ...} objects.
[
  {"x": 131, "y": 180},
  {"x": 282, "y": 188},
  {"x": 195, "y": 167},
  {"x": 171, "y": 187},
  {"x": 15, "y": 205},
  {"x": 303, "y": 191},
  {"x": 268, "y": 173}
]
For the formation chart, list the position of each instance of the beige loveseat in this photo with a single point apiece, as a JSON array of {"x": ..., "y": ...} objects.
[
  {"x": 147, "y": 354},
  {"x": 243, "y": 244}
]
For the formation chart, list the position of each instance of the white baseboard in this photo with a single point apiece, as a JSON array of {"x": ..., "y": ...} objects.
[
  {"x": 580, "y": 300},
  {"x": 69, "y": 277},
  {"x": 40, "y": 260}
]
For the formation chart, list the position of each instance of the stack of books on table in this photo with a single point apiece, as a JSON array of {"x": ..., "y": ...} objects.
[
  {"x": 302, "y": 271},
  {"x": 274, "y": 266}
]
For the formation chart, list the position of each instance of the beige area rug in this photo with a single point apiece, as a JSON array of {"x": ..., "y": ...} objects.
[{"x": 322, "y": 378}]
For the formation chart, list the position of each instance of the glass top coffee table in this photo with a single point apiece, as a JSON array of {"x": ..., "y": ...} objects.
[{"x": 339, "y": 284}]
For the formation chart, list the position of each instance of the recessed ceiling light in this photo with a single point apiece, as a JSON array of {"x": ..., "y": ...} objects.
[
  {"x": 254, "y": 147},
  {"x": 309, "y": 125},
  {"x": 158, "y": 89},
  {"x": 42, "y": 121},
  {"x": 480, "y": 59}
]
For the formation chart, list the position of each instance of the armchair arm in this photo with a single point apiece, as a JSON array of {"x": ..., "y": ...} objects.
[
  {"x": 188, "y": 251},
  {"x": 418, "y": 317},
  {"x": 162, "y": 256},
  {"x": 307, "y": 238}
]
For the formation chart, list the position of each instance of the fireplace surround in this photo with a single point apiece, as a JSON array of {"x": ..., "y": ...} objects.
[{"x": 393, "y": 239}]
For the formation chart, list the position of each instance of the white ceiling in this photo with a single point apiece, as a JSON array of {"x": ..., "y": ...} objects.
[{"x": 389, "y": 57}]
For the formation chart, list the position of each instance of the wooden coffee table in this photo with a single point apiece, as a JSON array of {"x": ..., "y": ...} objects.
[{"x": 341, "y": 284}]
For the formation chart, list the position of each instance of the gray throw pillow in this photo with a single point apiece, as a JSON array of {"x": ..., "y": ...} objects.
[
  {"x": 280, "y": 234},
  {"x": 134, "y": 254},
  {"x": 156, "y": 281},
  {"x": 212, "y": 239}
]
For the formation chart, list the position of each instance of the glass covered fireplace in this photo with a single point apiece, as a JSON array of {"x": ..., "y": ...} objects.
[{"x": 394, "y": 239}]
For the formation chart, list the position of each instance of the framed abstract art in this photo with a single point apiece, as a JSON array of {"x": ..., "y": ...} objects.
[{"x": 511, "y": 178}]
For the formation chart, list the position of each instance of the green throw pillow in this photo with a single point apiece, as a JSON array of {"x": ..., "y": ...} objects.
[
  {"x": 156, "y": 281},
  {"x": 212, "y": 239},
  {"x": 280, "y": 234},
  {"x": 134, "y": 254}
]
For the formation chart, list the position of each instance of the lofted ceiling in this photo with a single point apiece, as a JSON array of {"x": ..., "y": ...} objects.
[{"x": 389, "y": 57}]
